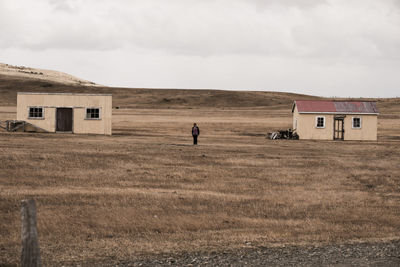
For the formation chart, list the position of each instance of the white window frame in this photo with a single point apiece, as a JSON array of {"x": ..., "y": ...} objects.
[
  {"x": 86, "y": 112},
  {"x": 35, "y": 118},
  {"x": 316, "y": 122},
  {"x": 352, "y": 122}
]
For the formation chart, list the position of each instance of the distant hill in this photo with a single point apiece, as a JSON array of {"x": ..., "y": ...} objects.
[
  {"x": 15, "y": 79},
  {"x": 42, "y": 74},
  {"x": 23, "y": 79}
]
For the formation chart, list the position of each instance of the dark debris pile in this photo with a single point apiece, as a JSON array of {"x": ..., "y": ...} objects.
[{"x": 288, "y": 134}]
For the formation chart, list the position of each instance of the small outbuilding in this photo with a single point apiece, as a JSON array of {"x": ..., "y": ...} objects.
[
  {"x": 66, "y": 112},
  {"x": 335, "y": 120}
]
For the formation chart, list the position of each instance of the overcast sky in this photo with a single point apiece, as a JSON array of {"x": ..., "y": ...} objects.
[{"x": 320, "y": 47}]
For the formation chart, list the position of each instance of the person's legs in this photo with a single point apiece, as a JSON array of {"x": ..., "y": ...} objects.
[{"x": 194, "y": 139}]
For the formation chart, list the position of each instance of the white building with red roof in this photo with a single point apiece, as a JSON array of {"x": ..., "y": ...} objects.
[{"x": 335, "y": 120}]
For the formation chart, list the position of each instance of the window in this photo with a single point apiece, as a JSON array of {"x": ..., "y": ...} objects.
[
  {"x": 93, "y": 113},
  {"x": 356, "y": 123},
  {"x": 35, "y": 112},
  {"x": 320, "y": 122}
]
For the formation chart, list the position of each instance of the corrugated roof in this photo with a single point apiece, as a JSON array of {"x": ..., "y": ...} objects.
[
  {"x": 330, "y": 106},
  {"x": 35, "y": 93}
]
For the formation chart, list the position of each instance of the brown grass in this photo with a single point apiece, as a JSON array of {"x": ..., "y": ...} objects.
[{"x": 146, "y": 189}]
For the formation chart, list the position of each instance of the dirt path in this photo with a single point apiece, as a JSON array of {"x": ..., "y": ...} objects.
[{"x": 364, "y": 254}]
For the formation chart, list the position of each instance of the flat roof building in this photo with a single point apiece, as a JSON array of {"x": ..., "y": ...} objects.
[
  {"x": 66, "y": 112},
  {"x": 335, "y": 120}
]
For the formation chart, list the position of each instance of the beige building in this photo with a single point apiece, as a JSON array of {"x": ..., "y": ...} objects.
[
  {"x": 335, "y": 120},
  {"x": 66, "y": 112}
]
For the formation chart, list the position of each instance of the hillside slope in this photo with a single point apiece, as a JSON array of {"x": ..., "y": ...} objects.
[
  {"x": 20, "y": 79},
  {"x": 42, "y": 74},
  {"x": 12, "y": 82}
]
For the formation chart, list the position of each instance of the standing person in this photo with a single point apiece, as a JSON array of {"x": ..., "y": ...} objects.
[{"x": 195, "y": 133}]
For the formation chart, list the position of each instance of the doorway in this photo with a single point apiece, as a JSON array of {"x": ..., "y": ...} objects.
[
  {"x": 338, "y": 128},
  {"x": 64, "y": 120}
]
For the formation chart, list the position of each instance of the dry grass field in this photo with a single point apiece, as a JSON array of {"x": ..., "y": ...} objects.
[{"x": 146, "y": 189}]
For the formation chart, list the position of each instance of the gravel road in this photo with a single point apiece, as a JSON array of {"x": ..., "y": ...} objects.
[{"x": 361, "y": 254}]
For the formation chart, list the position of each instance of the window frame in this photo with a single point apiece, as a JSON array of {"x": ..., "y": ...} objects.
[
  {"x": 316, "y": 122},
  {"x": 86, "y": 113},
  {"x": 35, "y": 118},
  {"x": 352, "y": 123}
]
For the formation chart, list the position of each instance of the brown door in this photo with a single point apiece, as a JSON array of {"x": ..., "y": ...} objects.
[
  {"x": 338, "y": 129},
  {"x": 64, "y": 120}
]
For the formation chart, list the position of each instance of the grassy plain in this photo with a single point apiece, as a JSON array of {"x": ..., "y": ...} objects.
[{"x": 146, "y": 189}]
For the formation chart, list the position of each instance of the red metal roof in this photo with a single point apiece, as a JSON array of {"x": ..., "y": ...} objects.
[{"x": 330, "y": 106}]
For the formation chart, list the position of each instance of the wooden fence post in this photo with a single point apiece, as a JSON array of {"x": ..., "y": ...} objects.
[{"x": 30, "y": 256}]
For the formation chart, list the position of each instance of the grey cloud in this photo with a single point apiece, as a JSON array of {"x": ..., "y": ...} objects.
[
  {"x": 316, "y": 28},
  {"x": 330, "y": 39},
  {"x": 287, "y": 3},
  {"x": 69, "y": 6},
  {"x": 396, "y": 3},
  {"x": 330, "y": 31}
]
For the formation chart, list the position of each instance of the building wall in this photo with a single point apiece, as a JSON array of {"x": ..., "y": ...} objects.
[
  {"x": 78, "y": 102},
  {"x": 305, "y": 125},
  {"x": 368, "y": 131}
]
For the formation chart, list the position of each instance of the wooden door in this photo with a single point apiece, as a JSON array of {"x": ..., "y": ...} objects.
[
  {"x": 338, "y": 129},
  {"x": 64, "y": 120}
]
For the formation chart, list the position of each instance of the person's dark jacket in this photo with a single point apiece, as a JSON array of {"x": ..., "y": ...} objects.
[{"x": 193, "y": 130}]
